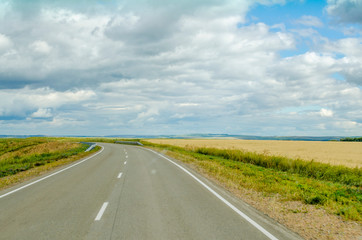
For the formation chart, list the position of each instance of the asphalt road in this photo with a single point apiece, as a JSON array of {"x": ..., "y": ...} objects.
[{"x": 128, "y": 192}]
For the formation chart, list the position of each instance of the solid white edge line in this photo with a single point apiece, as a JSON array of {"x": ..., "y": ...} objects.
[
  {"x": 119, "y": 175},
  {"x": 243, "y": 215},
  {"x": 101, "y": 211},
  {"x": 41, "y": 179}
]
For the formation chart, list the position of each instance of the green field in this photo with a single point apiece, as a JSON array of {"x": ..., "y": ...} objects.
[
  {"x": 21, "y": 158},
  {"x": 19, "y": 155}
]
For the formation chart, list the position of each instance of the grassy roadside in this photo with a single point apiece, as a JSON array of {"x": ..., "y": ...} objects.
[
  {"x": 284, "y": 187},
  {"x": 21, "y": 159},
  {"x": 316, "y": 170}
]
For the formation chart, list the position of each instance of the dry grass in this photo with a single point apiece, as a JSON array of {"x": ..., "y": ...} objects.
[{"x": 348, "y": 154}]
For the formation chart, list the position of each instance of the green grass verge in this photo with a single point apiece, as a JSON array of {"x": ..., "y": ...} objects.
[
  {"x": 320, "y": 171},
  {"x": 24, "y": 159},
  {"x": 336, "y": 197},
  {"x": 23, "y": 163}
]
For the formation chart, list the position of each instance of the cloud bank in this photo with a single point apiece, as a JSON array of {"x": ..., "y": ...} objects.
[
  {"x": 348, "y": 11},
  {"x": 151, "y": 67}
]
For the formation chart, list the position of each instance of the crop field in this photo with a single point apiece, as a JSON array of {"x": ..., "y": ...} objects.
[{"x": 348, "y": 154}]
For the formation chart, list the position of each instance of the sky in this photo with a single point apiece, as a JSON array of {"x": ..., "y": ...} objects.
[{"x": 142, "y": 67}]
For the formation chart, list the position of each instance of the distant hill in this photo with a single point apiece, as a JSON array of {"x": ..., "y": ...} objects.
[
  {"x": 207, "y": 136},
  {"x": 20, "y": 136},
  {"x": 227, "y": 136}
]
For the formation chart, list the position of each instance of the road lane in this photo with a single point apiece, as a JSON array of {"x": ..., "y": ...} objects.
[
  {"x": 62, "y": 206},
  {"x": 151, "y": 199}
]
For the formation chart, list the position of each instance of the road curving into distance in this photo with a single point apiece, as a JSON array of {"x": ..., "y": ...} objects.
[{"x": 129, "y": 192}]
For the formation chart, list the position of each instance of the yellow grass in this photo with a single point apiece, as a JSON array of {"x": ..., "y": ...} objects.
[{"x": 336, "y": 153}]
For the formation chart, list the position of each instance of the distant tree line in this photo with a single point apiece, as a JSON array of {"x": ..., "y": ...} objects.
[{"x": 350, "y": 139}]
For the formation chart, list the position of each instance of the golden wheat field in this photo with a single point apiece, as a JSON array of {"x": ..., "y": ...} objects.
[{"x": 337, "y": 153}]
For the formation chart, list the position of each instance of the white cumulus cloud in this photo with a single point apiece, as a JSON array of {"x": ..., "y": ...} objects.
[
  {"x": 21, "y": 103},
  {"x": 326, "y": 112},
  {"x": 5, "y": 43},
  {"x": 42, "y": 113},
  {"x": 41, "y": 47}
]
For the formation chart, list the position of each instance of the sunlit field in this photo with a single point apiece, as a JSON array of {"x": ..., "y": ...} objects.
[{"x": 336, "y": 153}]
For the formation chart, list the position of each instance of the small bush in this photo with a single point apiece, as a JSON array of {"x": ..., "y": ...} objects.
[{"x": 314, "y": 199}]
